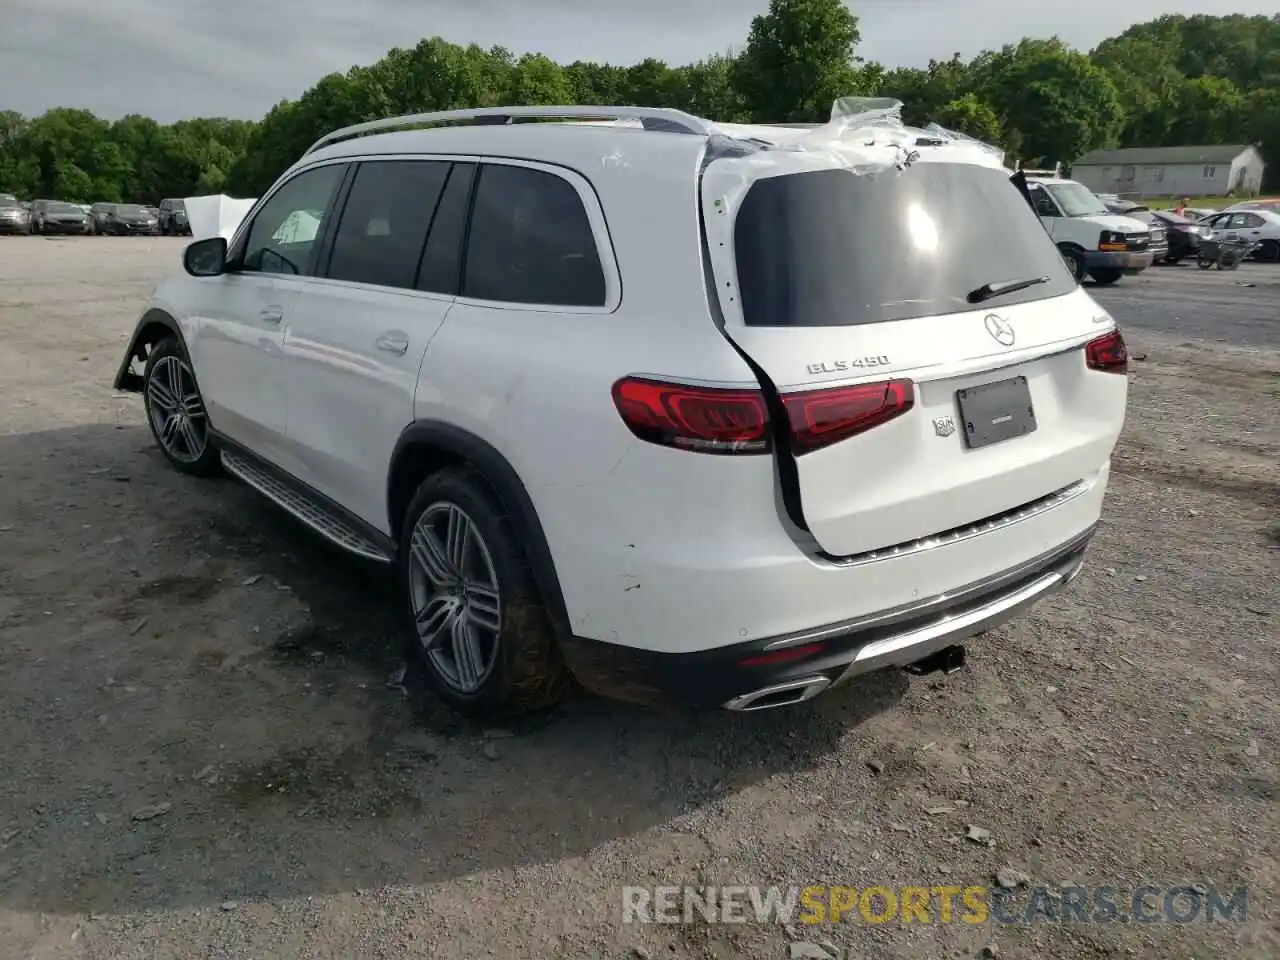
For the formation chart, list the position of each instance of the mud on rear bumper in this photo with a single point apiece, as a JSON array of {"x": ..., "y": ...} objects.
[{"x": 779, "y": 671}]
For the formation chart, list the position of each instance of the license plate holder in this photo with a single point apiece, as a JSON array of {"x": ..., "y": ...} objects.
[{"x": 996, "y": 411}]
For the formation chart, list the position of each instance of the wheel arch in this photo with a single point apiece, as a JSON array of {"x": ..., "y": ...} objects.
[
  {"x": 427, "y": 446},
  {"x": 152, "y": 327}
]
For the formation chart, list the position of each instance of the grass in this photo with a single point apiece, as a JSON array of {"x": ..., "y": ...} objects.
[{"x": 1211, "y": 203}]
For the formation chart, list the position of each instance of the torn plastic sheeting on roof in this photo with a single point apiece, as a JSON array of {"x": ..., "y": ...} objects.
[{"x": 865, "y": 136}]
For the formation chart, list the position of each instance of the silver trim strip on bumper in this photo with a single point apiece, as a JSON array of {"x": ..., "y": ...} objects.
[
  {"x": 1026, "y": 511},
  {"x": 907, "y": 648},
  {"x": 912, "y": 610}
]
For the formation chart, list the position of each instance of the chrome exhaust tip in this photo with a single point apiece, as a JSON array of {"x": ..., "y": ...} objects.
[{"x": 778, "y": 695}]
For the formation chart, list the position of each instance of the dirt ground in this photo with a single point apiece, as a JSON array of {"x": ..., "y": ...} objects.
[{"x": 203, "y": 756}]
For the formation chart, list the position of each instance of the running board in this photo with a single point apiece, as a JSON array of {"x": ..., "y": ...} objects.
[{"x": 323, "y": 521}]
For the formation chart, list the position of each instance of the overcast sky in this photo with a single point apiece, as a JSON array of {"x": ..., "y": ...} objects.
[{"x": 180, "y": 58}]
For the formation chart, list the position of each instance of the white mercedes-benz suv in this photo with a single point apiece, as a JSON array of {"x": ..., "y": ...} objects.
[{"x": 684, "y": 411}]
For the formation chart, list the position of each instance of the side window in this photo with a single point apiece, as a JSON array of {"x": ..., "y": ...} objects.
[
  {"x": 1238, "y": 221},
  {"x": 385, "y": 220},
  {"x": 1252, "y": 220},
  {"x": 1044, "y": 206},
  {"x": 282, "y": 238},
  {"x": 531, "y": 242},
  {"x": 442, "y": 259}
]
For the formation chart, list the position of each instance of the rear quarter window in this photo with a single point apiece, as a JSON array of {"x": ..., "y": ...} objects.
[{"x": 531, "y": 242}]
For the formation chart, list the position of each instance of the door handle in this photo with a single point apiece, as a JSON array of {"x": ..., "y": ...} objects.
[
  {"x": 391, "y": 343},
  {"x": 272, "y": 314}
]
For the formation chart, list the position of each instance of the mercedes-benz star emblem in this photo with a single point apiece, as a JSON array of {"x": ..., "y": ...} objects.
[{"x": 1000, "y": 330}]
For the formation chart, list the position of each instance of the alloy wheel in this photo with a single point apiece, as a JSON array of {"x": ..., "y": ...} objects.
[
  {"x": 454, "y": 594},
  {"x": 176, "y": 410}
]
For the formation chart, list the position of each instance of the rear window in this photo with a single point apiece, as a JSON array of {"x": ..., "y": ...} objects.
[{"x": 832, "y": 248}]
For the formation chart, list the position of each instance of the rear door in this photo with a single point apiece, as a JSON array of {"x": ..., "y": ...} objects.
[
  {"x": 936, "y": 412},
  {"x": 357, "y": 334}
]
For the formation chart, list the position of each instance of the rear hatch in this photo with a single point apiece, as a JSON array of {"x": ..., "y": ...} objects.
[{"x": 918, "y": 403}]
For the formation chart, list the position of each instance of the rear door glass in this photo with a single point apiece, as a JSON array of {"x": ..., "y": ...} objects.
[{"x": 385, "y": 221}]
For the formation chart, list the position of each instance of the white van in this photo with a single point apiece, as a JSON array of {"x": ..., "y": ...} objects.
[{"x": 1096, "y": 242}]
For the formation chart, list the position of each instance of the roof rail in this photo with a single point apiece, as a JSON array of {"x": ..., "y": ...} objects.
[{"x": 653, "y": 118}]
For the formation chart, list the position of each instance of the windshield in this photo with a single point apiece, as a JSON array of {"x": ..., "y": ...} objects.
[
  {"x": 130, "y": 209},
  {"x": 1076, "y": 200},
  {"x": 64, "y": 208},
  {"x": 832, "y": 248}
]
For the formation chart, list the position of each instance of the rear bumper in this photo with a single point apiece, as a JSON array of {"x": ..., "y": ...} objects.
[
  {"x": 1125, "y": 261},
  {"x": 783, "y": 670}
]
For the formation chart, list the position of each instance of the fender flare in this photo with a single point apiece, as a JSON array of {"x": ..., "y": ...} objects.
[
  {"x": 458, "y": 444},
  {"x": 126, "y": 380}
]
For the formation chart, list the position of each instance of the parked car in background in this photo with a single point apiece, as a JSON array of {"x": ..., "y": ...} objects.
[
  {"x": 56, "y": 217},
  {"x": 1099, "y": 243},
  {"x": 98, "y": 215},
  {"x": 129, "y": 219},
  {"x": 13, "y": 218},
  {"x": 1184, "y": 234},
  {"x": 1261, "y": 227},
  {"x": 173, "y": 218},
  {"x": 1117, "y": 205},
  {"x": 1159, "y": 232},
  {"x": 919, "y": 463},
  {"x": 1268, "y": 204}
]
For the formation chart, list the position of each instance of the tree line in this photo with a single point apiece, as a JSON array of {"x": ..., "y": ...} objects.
[{"x": 1174, "y": 80}]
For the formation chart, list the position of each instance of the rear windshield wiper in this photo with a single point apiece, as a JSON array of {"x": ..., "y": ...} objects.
[{"x": 989, "y": 290}]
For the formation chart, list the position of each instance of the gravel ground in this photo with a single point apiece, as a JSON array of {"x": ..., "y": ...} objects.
[{"x": 204, "y": 757}]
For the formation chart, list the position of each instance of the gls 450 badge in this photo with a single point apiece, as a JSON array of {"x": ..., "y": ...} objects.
[{"x": 844, "y": 366}]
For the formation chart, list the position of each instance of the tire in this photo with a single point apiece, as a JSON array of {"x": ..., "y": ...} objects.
[
  {"x": 184, "y": 441},
  {"x": 512, "y": 669},
  {"x": 1268, "y": 251},
  {"x": 1105, "y": 277},
  {"x": 1075, "y": 262}
]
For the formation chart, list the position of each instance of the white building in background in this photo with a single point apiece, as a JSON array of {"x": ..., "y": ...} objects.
[{"x": 1212, "y": 171}]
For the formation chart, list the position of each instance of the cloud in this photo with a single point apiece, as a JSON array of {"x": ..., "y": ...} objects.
[{"x": 180, "y": 58}]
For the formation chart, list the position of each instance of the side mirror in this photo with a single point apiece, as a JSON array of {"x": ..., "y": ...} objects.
[{"x": 206, "y": 258}]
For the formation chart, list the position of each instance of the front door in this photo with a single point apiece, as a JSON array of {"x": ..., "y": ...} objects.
[
  {"x": 358, "y": 332},
  {"x": 1046, "y": 209},
  {"x": 241, "y": 316}
]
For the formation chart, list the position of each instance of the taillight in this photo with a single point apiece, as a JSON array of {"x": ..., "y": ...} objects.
[
  {"x": 706, "y": 419},
  {"x": 1107, "y": 353},
  {"x": 717, "y": 420},
  {"x": 819, "y": 418}
]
